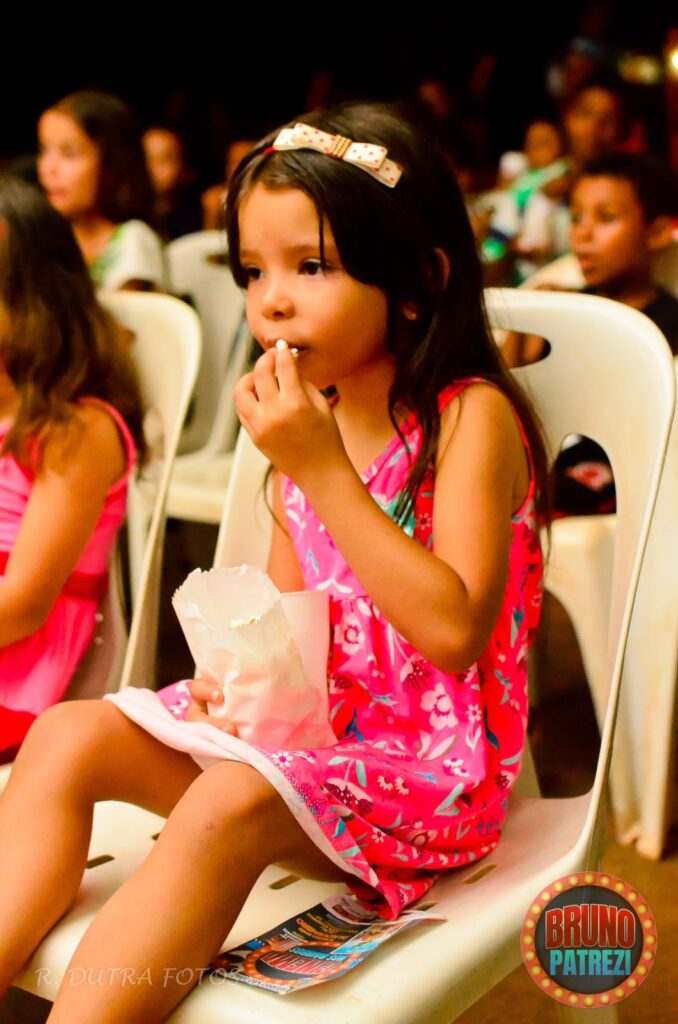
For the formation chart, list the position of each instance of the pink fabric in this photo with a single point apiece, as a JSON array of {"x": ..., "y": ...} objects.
[
  {"x": 419, "y": 778},
  {"x": 35, "y": 672}
]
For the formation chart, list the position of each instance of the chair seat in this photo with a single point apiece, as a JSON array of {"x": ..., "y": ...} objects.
[{"x": 438, "y": 954}]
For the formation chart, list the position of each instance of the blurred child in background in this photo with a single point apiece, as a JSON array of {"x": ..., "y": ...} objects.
[
  {"x": 93, "y": 170},
  {"x": 176, "y": 209}
]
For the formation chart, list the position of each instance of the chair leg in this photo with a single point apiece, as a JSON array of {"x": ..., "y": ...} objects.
[{"x": 579, "y": 574}]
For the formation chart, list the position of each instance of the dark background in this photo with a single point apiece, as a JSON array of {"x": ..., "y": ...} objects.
[{"x": 238, "y": 70}]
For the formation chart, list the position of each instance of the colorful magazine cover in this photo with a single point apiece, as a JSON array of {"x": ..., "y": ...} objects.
[{"x": 317, "y": 945}]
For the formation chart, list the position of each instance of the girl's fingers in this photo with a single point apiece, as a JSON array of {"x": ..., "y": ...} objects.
[
  {"x": 220, "y": 723},
  {"x": 265, "y": 382},
  {"x": 245, "y": 398},
  {"x": 286, "y": 371},
  {"x": 195, "y": 714},
  {"x": 203, "y": 690},
  {"x": 244, "y": 387}
]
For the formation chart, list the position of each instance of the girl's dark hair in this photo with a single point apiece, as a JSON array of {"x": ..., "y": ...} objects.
[
  {"x": 655, "y": 184},
  {"x": 125, "y": 191},
  {"x": 56, "y": 342},
  {"x": 388, "y": 237}
]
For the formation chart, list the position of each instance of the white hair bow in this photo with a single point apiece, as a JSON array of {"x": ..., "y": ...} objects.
[{"x": 366, "y": 155}]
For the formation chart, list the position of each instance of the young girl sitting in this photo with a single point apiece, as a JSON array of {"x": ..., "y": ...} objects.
[
  {"x": 93, "y": 169},
  {"x": 410, "y": 497},
  {"x": 69, "y": 421}
]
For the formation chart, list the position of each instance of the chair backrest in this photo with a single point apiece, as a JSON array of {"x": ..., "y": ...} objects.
[
  {"x": 609, "y": 375},
  {"x": 199, "y": 271},
  {"x": 246, "y": 525},
  {"x": 166, "y": 350},
  {"x": 649, "y": 679}
]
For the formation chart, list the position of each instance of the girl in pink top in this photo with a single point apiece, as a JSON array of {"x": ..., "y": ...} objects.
[
  {"x": 412, "y": 498},
  {"x": 68, "y": 408}
]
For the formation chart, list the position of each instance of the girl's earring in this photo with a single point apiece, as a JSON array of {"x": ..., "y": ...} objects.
[{"x": 410, "y": 311}]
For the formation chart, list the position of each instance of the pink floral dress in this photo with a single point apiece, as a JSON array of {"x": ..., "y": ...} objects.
[
  {"x": 35, "y": 671},
  {"x": 419, "y": 777}
]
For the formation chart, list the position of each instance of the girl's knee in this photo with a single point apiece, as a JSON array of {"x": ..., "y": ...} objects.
[
  {"x": 66, "y": 737},
  {"x": 72, "y": 722},
  {"x": 232, "y": 804},
  {"x": 230, "y": 795},
  {"x": 234, "y": 789}
]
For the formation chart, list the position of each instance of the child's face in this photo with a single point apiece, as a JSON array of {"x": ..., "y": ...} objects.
[
  {"x": 542, "y": 144},
  {"x": 609, "y": 232},
  {"x": 68, "y": 165},
  {"x": 338, "y": 323},
  {"x": 164, "y": 159},
  {"x": 593, "y": 123}
]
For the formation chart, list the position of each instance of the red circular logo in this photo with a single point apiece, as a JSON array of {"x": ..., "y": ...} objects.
[{"x": 589, "y": 940}]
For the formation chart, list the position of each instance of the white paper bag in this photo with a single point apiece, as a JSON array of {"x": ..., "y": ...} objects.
[{"x": 239, "y": 634}]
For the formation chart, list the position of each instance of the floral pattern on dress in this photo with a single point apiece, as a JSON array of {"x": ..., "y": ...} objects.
[{"x": 424, "y": 761}]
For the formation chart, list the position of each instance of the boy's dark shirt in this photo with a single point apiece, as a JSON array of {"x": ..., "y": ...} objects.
[
  {"x": 572, "y": 496},
  {"x": 664, "y": 312}
]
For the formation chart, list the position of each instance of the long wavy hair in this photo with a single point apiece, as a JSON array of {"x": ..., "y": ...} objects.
[
  {"x": 388, "y": 237},
  {"x": 56, "y": 342}
]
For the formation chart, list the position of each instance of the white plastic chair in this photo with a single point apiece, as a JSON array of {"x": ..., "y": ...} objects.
[
  {"x": 440, "y": 970},
  {"x": 201, "y": 470},
  {"x": 579, "y": 574},
  {"x": 166, "y": 350}
]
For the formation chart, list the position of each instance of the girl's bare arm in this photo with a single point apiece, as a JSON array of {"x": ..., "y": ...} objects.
[
  {"x": 79, "y": 464},
  {"x": 444, "y": 602}
]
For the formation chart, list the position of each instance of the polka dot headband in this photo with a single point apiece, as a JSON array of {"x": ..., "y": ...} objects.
[{"x": 366, "y": 155}]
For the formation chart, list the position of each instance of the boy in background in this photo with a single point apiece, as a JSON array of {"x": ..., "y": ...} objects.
[
  {"x": 624, "y": 208},
  {"x": 623, "y": 212}
]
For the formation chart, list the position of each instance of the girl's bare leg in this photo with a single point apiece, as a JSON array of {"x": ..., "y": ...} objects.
[
  {"x": 153, "y": 938},
  {"x": 75, "y": 753}
]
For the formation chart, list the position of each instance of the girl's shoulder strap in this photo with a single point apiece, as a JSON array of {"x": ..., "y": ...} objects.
[
  {"x": 125, "y": 432},
  {"x": 456, "y": 388},
  {"x": 444, "y": 398}
]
